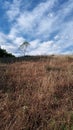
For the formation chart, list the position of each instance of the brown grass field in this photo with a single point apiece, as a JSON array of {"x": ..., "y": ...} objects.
[{"x": 37, "y": 95}]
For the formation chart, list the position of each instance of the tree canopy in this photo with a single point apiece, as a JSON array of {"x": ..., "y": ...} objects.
[
  {"x": 23, "y": 46},
  {"x": 4, "y": 53}
]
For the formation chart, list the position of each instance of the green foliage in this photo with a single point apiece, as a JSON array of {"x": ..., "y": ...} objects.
[
  {"x": 51, "y": 68},
  {"x": 64, "y": 127},
  {"x": 4, "y": 53}
]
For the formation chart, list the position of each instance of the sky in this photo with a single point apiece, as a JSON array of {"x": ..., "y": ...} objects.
[{"x": 46, "y": 24}]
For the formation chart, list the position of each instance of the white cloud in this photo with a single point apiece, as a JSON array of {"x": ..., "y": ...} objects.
[
  {"x": 8, "y": 48},
  {"x": 2, "y": 38},
  {"x": 12, "y": 34},
  {"x": 40, "y": 47},
  {"x": 19, "y": 40},
  {"x": 34, "y": 44},
  {"x": 13, "y": 9},
  {"x": 30, "y": 21},
  {"x": 39, "y": 24}
]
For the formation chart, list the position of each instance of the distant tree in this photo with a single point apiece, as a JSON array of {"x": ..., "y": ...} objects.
[{"x": 23, "y": 47}]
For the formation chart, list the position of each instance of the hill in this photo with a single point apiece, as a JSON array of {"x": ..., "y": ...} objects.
[{"x": 37, "y": 95}]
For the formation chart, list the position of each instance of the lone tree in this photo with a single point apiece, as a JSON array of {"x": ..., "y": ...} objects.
[{"x": 23, "y": 47}]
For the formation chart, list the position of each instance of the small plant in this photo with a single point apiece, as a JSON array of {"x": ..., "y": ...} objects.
[
  {"x": 71, "y": 118},
  {"x": 64, "y": 127},
  {"x": 72, "y": 127},
  {"x": 50, "y": 68}
]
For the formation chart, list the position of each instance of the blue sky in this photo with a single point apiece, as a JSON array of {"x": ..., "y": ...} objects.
[{"x": 46, "y": 24}]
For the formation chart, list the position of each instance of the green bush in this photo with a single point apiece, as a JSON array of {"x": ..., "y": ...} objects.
[{"x": 4, "y": 53}]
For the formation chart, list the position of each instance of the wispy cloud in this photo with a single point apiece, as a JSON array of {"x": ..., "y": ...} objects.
[
  {"x": 48, "y": 26},
  {"x": 13, "y": 9}
]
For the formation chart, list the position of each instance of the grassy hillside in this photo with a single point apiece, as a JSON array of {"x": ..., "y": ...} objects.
[{"x": 37, "y": 95}]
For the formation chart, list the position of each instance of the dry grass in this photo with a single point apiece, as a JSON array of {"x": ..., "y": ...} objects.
[{"x": 37, "y": 95}]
